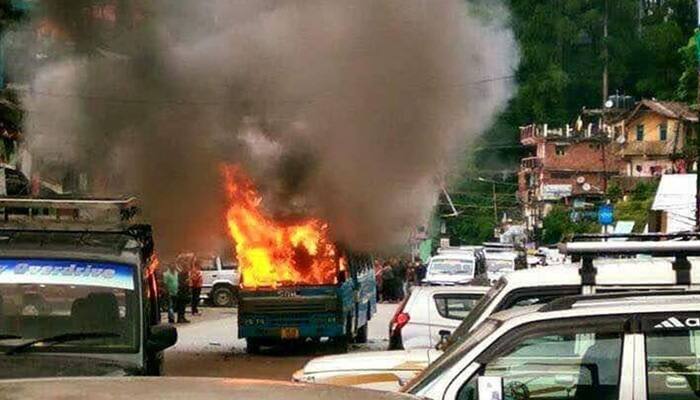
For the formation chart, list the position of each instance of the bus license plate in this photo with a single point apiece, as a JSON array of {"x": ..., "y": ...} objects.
[{"x": 290, "y": 333}]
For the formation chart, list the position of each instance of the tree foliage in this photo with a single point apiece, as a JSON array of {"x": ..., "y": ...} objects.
[
  {"x": 562, "y": 46},
  {"x": 557, "y": 225},
  {"x": 637, "y": 205}
]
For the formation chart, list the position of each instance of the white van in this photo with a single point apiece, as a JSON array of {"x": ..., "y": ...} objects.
[{"x": 454, "y": 268}]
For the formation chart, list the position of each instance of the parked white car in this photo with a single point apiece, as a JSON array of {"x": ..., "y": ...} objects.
[
  {"x": 220, "y": 281},
  {"x": 540, "y": 286},
  {"x": 499, "y": 264},
  {"x": 378, "y": 370},
  {"x": 416, "y": 326},
  {"x": 431, "y": 313},
  {"x": 453, "y": 268},
  {"x": 641, "y": 345}
]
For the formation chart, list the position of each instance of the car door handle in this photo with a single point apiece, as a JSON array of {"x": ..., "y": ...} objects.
[
  {"x": 676, "y": 382},
  {"x": 215, "y": 276}
]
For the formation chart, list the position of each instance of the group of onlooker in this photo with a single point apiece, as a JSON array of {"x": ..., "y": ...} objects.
[
  {"x": 395, "y": 276},
  {"x": 183, "y": 285}
]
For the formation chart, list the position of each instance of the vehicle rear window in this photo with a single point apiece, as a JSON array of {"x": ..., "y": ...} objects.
[
  {"x": 452, "y": 266},
  {"x": 455, "y": 306}
]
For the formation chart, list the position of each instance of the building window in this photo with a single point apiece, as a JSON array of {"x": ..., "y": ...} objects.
[
  {"x": 560, "y": 150},
  {"x": 663, "y": 131},
  {"x": 640, "y": 133}
]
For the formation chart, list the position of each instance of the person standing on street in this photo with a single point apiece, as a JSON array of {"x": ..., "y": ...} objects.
[
  {"x": 183, "y": 289},
  {"x": 387, "y": 283},
  {"x": 378, "y": 279},
  {"x": 411, "y": 279},
  {"x": 399, "y": 278},
  {"x": 196, "y": 283},
  {"x": 171, "y": 286},
  {"x": 420, "y": 271}
]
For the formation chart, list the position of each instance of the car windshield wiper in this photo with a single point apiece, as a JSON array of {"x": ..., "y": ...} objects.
[
  {"x": 4, "y": 336},
  {"x": 62, "y": 338}
]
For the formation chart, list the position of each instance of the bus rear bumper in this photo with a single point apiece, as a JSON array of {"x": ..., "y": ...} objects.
[{"x": 290, "y": 331}]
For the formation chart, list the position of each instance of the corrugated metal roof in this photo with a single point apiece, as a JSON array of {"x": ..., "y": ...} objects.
[{"x": 670, "y": 109}]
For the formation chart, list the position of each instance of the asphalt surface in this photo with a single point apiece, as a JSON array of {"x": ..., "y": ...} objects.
[{"x": 209, "y": 346}]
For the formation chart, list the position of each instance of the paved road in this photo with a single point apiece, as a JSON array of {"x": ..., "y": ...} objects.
[{"x": 209, "y": 347}]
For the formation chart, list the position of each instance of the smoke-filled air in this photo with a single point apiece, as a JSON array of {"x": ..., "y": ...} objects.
[{"x": 348, "y": 111}]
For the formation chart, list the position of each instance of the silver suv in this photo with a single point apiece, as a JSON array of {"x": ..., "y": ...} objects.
[{"x": 220, "y": 281}]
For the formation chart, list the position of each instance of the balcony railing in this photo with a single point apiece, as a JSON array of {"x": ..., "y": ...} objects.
[
  {"x": 530, "y": 163},
  {"x": 530, "y": 134}
]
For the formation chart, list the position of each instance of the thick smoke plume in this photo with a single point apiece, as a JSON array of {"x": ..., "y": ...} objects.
[{"x": 350, "y": 111}]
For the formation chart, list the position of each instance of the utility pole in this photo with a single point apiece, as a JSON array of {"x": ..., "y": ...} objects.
[
  {"x": 605, "y": 53},
  {"x": 495, "y": 206},
  {"x": 697, "y": 50},
  {"x": 697, "y": 128}
]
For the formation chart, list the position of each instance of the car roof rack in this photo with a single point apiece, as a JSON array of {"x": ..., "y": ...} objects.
[
  {"x": 498, "y": 245},
  {"x": 654, "y": 236},
  {"x": 84, "y": 215},
  {"x": 79, "y": 215},
  {"x": 568, "y": 302},
  {"x": 461, "y": 249},
  {"x": 586, "y": 252}
]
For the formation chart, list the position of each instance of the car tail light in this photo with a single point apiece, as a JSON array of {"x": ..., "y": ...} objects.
[{"x": 400, "y": 319}]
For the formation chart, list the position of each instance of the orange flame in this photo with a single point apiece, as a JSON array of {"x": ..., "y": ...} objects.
[{"x": 270, "y": 253}]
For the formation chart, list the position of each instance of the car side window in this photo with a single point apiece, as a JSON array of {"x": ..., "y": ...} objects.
[
  {"x": 208, "y": 264},
  {"x": 455, "y": 306},
  {"x": 529, "y": 298},
  {"x": 567, "y": 365},
  {"x": 673, "y": 358}
]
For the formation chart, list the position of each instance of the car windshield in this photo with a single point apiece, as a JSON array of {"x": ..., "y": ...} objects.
[
  {"x": 452, "y": 266},
  {"x": 450, "y": 357},
  {"x": 493, "y": 265},
  {"x": 475, "y": 314},
  {"x": 93, "y": 303}
]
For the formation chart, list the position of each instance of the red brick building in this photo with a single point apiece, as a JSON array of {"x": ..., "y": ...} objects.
[{"x": 570, "y": 165}]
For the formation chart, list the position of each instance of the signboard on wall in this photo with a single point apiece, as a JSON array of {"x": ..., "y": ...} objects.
[
  {"x": 556, "y": 192},
  {"x": 605, "y": 214}
]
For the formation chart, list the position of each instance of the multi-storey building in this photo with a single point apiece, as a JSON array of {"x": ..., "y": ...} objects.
[
  {"x": 570, "y": 165},
  {"x": 654, "y": 138}
]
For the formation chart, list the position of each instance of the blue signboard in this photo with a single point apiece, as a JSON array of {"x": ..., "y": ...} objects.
[{"x": 605, "y": 214}]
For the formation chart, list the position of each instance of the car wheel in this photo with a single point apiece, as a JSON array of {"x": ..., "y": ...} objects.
[
  {"x": 222, "y": 296},
  {"x": 395, "y": 342}
]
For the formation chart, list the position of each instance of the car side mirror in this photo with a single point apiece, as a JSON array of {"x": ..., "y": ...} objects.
[
  {"x": 490, "y": 387},
  {"x": 161, "y": 337}
]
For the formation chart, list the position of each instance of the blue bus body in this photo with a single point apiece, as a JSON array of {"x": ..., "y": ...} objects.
[{"x": 342, "y": 311}]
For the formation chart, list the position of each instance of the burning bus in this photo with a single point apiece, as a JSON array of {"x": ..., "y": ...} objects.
[{"x": 295, "y": 283}]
